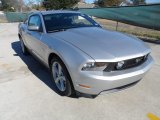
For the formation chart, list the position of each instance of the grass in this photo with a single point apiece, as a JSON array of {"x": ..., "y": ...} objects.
[
  {"x": 153, "y": 35},
  {"x": 130, "y": 29}
]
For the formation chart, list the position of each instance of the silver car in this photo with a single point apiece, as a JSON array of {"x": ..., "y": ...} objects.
[{"x": 81, "y": 55}]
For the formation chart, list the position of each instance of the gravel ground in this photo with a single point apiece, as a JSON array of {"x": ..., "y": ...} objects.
[{"x": 26, "y": 91}]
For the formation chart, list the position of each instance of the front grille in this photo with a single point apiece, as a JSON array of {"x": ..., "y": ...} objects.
[
  {"x": 133, "y": 62},
  {"x": 130, "y": 63}
]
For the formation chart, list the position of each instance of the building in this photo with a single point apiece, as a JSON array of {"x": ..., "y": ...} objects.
[
  {"x": 126, "y": 3},
  {"x": 83, "y": 4}
]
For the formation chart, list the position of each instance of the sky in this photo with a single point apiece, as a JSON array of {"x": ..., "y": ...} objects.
[{"x": 91, "y": 1}]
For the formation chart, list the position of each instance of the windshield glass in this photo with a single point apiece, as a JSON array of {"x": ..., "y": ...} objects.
[{"x": 62, "y": 21}]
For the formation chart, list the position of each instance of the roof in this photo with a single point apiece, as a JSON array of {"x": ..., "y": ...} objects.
[{"x": 55, "y": 12}]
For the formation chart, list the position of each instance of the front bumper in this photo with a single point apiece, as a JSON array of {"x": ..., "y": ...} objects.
[{"x": 104, "y": 82}]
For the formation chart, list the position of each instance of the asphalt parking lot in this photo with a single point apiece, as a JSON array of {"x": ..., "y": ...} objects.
[{"x": 26, "y": 91}]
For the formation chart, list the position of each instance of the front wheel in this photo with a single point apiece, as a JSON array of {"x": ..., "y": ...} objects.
[{"x": 61, "y": 77}]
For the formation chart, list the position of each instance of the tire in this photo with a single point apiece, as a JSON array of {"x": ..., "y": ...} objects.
[
  {"x": 61, "y": 78},
  {"x": 24, "y": 48}
]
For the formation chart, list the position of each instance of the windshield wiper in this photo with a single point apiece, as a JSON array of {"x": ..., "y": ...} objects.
[{"x": 57, "y": 30}]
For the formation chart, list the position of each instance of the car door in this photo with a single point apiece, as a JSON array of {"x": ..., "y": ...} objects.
[{"x": 34, "y": 37}]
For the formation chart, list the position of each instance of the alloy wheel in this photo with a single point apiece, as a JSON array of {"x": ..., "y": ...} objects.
[{"x": 59, "y": 77}]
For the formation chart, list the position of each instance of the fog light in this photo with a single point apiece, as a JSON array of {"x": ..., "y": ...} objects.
[{"x": 120, "y": 65}]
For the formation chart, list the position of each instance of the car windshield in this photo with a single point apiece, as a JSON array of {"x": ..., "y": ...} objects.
[{"x": 63, "y": 21}]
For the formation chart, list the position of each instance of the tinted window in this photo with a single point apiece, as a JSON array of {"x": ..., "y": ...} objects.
[{"x": 67, "y": 21}]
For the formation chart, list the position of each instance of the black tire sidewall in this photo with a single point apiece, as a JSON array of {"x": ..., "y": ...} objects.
[{"x": 25, "y": 52}]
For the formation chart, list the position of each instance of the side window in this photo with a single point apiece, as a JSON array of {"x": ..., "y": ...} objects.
[{"x": 35, "y": 20}]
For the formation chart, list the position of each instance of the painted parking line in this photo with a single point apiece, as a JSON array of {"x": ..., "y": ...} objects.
[{"x": 152, "y": 116}]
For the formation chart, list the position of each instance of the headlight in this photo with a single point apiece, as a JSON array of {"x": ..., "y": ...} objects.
[{"x": 97, "y": 66}]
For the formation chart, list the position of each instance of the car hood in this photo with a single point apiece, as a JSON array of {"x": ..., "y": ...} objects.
[{"x": 104, "y": 45}]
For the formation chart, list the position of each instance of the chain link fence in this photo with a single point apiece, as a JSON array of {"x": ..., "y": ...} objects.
[
  {"x": 16, "y": 16},
  {"x": 137, "y": 19}
]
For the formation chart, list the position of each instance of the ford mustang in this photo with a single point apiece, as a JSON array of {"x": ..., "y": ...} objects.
[{"x": 81, "y": 55}]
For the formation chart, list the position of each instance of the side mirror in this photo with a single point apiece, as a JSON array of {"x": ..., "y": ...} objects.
[{"x": 33, "y": 28}]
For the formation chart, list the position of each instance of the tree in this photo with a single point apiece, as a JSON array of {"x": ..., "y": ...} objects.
[
  {"x": 35, "y": 4},
  {"x": 11, "y": 5},
  {"x": 138, "y": 2},
  {"x": 59, "y": 4},
  {"x": 108, "y": 3},
  {"x": 4, "y": 5}
]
